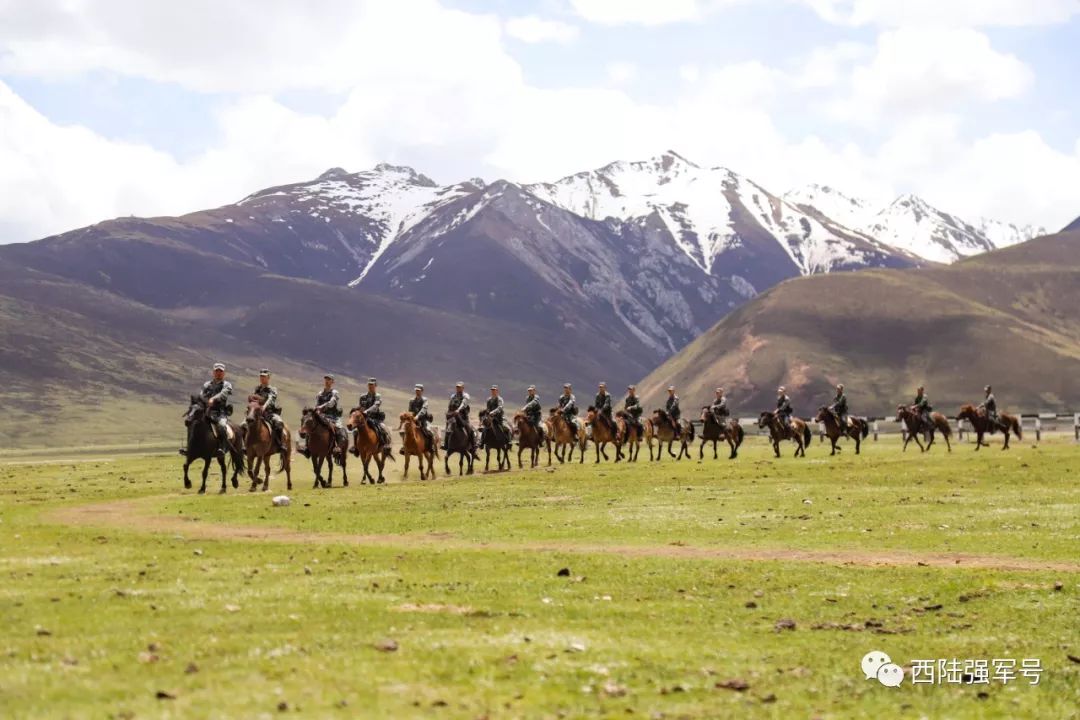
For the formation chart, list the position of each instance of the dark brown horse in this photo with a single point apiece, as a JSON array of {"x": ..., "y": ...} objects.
[
  {"x": 983, "y": 426},
  {"x": 561, "y": 435},
  {"x": 798, "y": 432},
  {"x": 628, "y": 429},
  {"x": 202, "y": 445},
  {"x": 415, "y": 442},
  {"x": 528, "y": 439},
  {"x": 495, "y": 436},
  {"x": 711, "y": 430},
  {"x": 367, "y": 445},
  {"x": 461, "y": 440},
  {"x": 909, "y": 415},
  {"x": 258, "y": 437},
  {"x": 662, "y": 427},
  {"x": 604, "y": 431},
  {"x": 857, "y": 429},
  {"x": 323, "y": 447}
]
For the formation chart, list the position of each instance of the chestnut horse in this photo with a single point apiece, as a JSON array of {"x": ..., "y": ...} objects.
[
  {"x": 908, "y": 415},
  {"x": 604, "y": 431},
  {"x": 528, "y": 439},
  {"x": 258, "y": 437},
  {"x": 712, "y": 430},
  {"x": 982, "y": 425},
  {"x": 628, "y": 429},
  {"x": 202, "y": 445},
  {"x": 662, "y": 427},
  {"x": 415, "y": 442},
  {"x": 367, "y": 445},
  {"x": 799, "y": 432},
  {"x": 322, "y": 447},
  {"x": 857, "y": 429},
  {"x": 561, "y": 435}
]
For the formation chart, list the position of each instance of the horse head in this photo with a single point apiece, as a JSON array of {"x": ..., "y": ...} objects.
[
  {"x": 254, "y": 408},
  {"x": 967, "y": 412},
  {"x": 766, "y": 419},
  {"x": 822, "y": 414},
  {"x": 590, "y": 415}
]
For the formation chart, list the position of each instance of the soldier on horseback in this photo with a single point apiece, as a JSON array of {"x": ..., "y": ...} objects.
[
  {"x": 271, "y": 408},
  {"x": 673, "y": 411},
  {"x": 328, "y": 404},
  {"x": 602, "y": 403},
  {"x": 989, "y": 406},
  {"x": 784, "y": 410},
  {"x": 216, "y": 392},
  {"x": 719, "y": 408},
  {"x": 569, "y": 409},
  {"x": 534, "y": 411},
  {"x": 418, "y": 406},
  {"x": 632, "y": 406},
  {"x": 459, "y": 409},
  {"x": 371, "y": 403},
  {"x": 496, "y": 412},
  {"x": 839, "y": 408},
  {"x": 922, "y": 407}
]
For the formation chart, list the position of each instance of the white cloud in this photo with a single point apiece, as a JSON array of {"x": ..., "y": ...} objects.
[
  {"x": 950, "y": 13},
  {"x": 643, "y": 12},
  {"x": 533, "y": 29},
  {"x": 621, "y": 73}
]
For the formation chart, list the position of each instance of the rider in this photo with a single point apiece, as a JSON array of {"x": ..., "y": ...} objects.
[
  {"x": 673, "y": 411},
  {"x": 371, "y": 403},
  {"x": 719, "y": 407},
  {"x": 534, "y": 411},
  {"x": 459, "y": 408},
  {"x": 783, "y": 407},
  {"x": 216, "y": 393},
  {"x": 989, "y": 406},
  {"x": 271, "y": 408},
  {"x": 632, "y": 405},
  {"x": 602, "y": 403},
  {"x": 328, "y": 404},
  {"x": 568, "y": 407},
  {"x": 419, "y": 408},
  {"x": 839, "y": 407},
  {"x": 496, "y": 412},
  {"x": 923, "y": 407}
]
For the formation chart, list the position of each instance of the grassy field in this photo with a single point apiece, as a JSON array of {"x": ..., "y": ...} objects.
[{"x": 125, "y": 596}]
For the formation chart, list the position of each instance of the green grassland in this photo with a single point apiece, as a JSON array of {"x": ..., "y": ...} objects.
[{"x": 120, "y": 587}]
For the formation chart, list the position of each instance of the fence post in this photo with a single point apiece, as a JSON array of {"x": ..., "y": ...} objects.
[
  {"x": 875, "y": 430},
  {"x": 1038, "y": 427},
  {"x": 1076, "y": 426}
]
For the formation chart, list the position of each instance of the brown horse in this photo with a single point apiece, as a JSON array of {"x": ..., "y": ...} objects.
[
  {"x": 561, "y": 435},
  {"x": 604, "y": 431},
  {"x": 415, "y": 442},
  {"x": 662, "y": 427},
  {"x": 367, "y": 445},
  {"x": 528, "y": 439},
  {"x": 983, "y": 426},
  {"x": 322, "y": 447},
  {"x": 799, "y": 432},
  {"x": 628, "y": 429},
  {"x": 857, "y": 428},
  {"x": 713, "y": 431},
  {"x": 908, "y": 415},
  {"x": 261, "y": 447}
]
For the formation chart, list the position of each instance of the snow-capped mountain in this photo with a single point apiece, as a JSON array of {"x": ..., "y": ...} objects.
[{"x": 910, "y": 223}]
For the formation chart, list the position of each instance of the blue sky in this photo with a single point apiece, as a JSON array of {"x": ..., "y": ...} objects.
[{"x": 126, "y": 107}]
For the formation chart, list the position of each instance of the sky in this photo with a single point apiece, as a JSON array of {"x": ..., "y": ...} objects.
[{"x": 128, "y": 107}]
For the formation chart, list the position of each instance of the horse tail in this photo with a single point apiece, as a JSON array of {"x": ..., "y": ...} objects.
[
  {"x": 865, "y": 428},
  {"x": 807, "y": 437},
  {"x": 740, "y": 434},
  {"x": 1015, "y": 423},
  {"x": 691, "y": 438},
  {"x": 944, "y": 427}
]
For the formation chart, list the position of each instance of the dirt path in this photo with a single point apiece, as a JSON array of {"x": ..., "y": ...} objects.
[{"x": 138, "y": 515}]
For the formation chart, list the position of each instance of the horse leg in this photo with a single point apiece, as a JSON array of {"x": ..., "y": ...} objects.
[
  {"x": 1006, "y": 445},
  {"x": 224, "y": 474},
  {"x": 254, "y": 465},
  {"x": 776, "y": 447},
  {"x": 487, "y": 458},
  {"x": 520, "y": 450},
  {"x": 405, "y": 471},
  {"x": 187, "y": 481},
  {"x": 832, "y": 439},
  {"x": 978, "y": 441},
  {"x": 316, "y": 468}
]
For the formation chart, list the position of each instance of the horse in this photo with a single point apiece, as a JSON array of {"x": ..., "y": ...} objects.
[
  {"x": 604, "y": 431},
  {"x": 367, "y": 445},
  {"x": 460, "y": 440},
  {"x": 528, "y": 439},
  {"x": 799, "y": 432},
  {"x": 857, "y": 430},
  {"x": 258, "y": 437},
  {"x": 202, "y": 444},
  {"x": 495, "y": 435},
  {"x": 713, "y": 431},
  {"x": 662, "y": 427},
  {"x": 561, "y": 435},
  {"x": 322, "y": 447},
  {"x": 415, "y": 442},
  {"x": 983, "y": 426},
  {"x": 628, "y": 429},
  {"x": 913, "y": 421}
]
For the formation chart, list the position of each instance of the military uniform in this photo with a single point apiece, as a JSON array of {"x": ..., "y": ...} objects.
[
  {"x": 328, "y": 402},
  {"x": 719, "y": 410},
  {"x": 632, "y": 405},
  {"x": 568, "y": 408},
  {"x": 497, "y": 413},
  {"x": 602, "y": 403},
  {"x": 784, "y": 410},
  {"x": 219, "y": 391},
  {"x": 271, "y": 409},
  {"x": 418, "y": 408},
  {"x": 534, "y": 412},
  {"x": 923, "y": 407},
  {"x": 371, "y": 403},
  {"x": 990, "y": 406},
  {"x": 673, "y": 411},
  {"x": 840, "y": 408},
  {"x": 459, "y": 404}
]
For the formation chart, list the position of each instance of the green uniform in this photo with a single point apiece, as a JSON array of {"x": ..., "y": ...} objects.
[
  {"x": 840, "y": 407},
  {"x": 271, "y": 408},
  {"x": 719, "y": 410},
  {"x": 219, "y": 391},
  {"x": 784, "y": 409}
]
